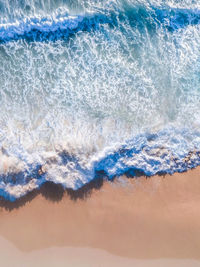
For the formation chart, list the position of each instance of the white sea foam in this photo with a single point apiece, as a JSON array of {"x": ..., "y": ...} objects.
[{"x": 120, "y": 94}]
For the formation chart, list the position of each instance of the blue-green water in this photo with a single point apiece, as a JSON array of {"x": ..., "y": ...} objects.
[{"x": 97, "y": 86}]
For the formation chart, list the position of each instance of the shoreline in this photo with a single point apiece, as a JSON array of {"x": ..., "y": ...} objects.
[
  {"x": 135, "y": 219},
  {"x": 79, "y": 257}
]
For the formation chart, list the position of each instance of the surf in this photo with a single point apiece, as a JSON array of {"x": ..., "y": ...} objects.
[{"x": 97, "y": 89}]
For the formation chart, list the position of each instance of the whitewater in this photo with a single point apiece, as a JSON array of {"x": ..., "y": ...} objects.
[{"x": 91, "y": 88}]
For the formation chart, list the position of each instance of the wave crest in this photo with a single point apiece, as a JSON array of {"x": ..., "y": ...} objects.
[
  {"x": 53, "y": 28},
  {"x": 167, "y": 151}
]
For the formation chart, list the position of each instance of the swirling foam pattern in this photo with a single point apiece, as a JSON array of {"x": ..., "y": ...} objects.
[{"x": 91, "y": 88}]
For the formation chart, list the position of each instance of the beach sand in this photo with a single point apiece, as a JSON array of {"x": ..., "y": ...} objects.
[{"x": 129, "y": 222}]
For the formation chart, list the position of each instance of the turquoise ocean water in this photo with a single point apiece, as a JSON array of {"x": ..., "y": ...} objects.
[{"x": 97, "y": 87}]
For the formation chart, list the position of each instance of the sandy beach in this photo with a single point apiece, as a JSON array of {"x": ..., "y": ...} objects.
[{"x": 142, "y": 222}]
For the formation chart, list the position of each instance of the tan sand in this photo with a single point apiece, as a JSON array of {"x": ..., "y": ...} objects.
[{"x": 129, "y": 222}]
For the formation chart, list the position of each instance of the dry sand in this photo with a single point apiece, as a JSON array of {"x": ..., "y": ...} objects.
[{"x": 128, "y": 222}]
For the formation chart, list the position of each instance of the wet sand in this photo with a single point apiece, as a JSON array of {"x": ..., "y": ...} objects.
[{"x": 141, "y": 222}]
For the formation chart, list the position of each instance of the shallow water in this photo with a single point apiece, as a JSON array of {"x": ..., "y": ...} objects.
[{"x": 91, "y": 87}]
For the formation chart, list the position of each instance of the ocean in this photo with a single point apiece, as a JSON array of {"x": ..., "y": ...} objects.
[{"x": 97, "y": 88}]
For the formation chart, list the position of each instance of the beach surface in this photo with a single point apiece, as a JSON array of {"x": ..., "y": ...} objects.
[{"x": 129, "y": 222}]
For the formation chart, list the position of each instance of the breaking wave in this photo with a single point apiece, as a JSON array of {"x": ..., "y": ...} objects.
[{"x": 62, "y": 26}]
